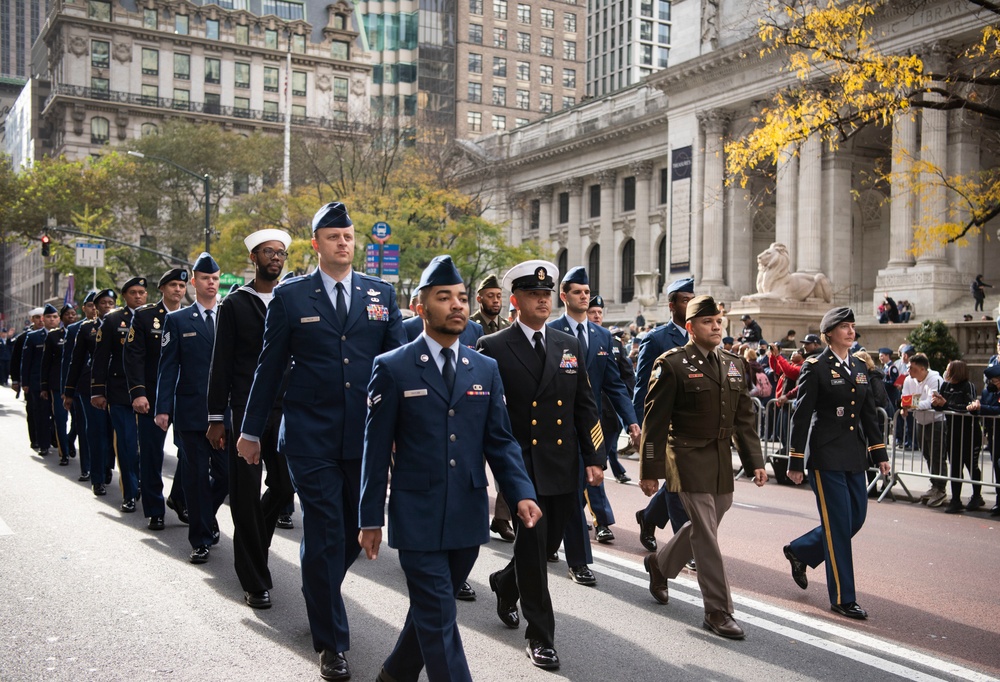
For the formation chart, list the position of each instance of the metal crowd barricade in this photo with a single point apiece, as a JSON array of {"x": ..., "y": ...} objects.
[{"x": 949, "y": 447}]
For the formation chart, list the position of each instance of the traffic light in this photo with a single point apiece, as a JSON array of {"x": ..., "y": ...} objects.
[{"x": 46, "y": 246}]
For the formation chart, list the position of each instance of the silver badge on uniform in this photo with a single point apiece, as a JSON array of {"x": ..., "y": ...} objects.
[
  {"x": 372, "y": 292},
  {"x": 465, "y": 361},
  {"x": 840, "y": 411},
  {"x": 424, "y": 358}
]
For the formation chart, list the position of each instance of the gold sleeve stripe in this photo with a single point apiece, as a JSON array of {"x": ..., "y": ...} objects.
[
  {"x": 880, "y": 446},
  {"x": 797, "y": 454},
  {"x": 597, "y": 435}
]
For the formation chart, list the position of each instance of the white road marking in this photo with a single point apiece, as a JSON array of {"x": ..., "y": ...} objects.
[{"x": 4, "y": 528}]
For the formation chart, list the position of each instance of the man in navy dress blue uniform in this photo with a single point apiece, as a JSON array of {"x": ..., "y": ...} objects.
[
  {"x": 182, "y": 397},
  {"x": 31, "y": 378},
  {"x": 52, "y": 355},
  {"x": 596, "y": 346},
  {"x": 76, "y": 410},
  {"x": 664, "y": 506},
  {"x": 331, "y": 325},
  {"x": 436, "y": 408}
]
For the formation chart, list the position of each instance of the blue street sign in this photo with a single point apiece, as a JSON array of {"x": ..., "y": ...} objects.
[{"x": 381, "y": 231}]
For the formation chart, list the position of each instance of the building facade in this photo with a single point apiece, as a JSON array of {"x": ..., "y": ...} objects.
[{"x": 628, "y": 40}]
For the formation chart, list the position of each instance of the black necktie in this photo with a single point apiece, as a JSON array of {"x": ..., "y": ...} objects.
[
  {"x": 713, "y": 361},
  {"x": 582, "y": 336},
  {"x": 448, "y": 371},
  {"x": 341, "y": 305},
  {"x": 540, "y": 346},
  {"x": 210, "y": 324}
]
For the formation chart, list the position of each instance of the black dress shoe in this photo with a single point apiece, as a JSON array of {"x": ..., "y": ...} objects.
[
  {"x": 995, "y": 510},
  {"x": 156, "y": 523},
  {"x": 258, "y": 600},
  {"x": 604, "y": 535},
  {"x": 503, "y": 529},
  {"x": 199, "y": 555},
  {"x": 216, "y": 535},
  {"x": 582, "y": 575},
  {"x": 285, "y": 521},
  {"x": 622, "y": 478},
  {"x": 128, "y": 506},
  {"x": 657, "y": 581},
  {"x": 333, "y": 666},
  {"x": 646, "y": 531},
  {"x": 72, "y": 454},
  {"x": 100, "y": 490},
  {"x": 466, "y": 593},
  {"x": 850, "y": 609},
  {"x": 507, "y": 611},
  {"x": 553, "y": 558},
  {"x": 798, "y": 568},
  {"x": 85, "y": 476},
  {"x": 64, "y": 461},
  {"x": 182, "y": 514},
  {"x": 542, "y": 656},
  {"x": 383, "y": 676}
]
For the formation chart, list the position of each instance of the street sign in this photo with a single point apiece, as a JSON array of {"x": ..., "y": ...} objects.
[
  {"x": 381, "y": 231},
  {"x": 389, "y": 261},
  {"x": 90, "y": 254},
  {"x": 371, "y": 259},
  {"x": 227, "y": 280}
]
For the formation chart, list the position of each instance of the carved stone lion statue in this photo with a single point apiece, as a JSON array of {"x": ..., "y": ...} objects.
[{"x": 775, "y": 281}]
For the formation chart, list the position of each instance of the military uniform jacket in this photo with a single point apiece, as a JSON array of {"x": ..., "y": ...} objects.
[
  {"x": 834, "y": 422},
  {"x": 552, "y": 410},
  {"x": 692, "y": 417},
  {"x": 414, "y": 327},
  {"x": 16, "y": 353},
  {"x": 107, "y": 369},
  {"x": 325, "y": 404},
  {"x": 182, "y": 375},
  {"x": 78, "y": 375},
  {"x": 439, "y": 495},
  {"x": 141, "y": 354},
  {"x": 72, "y": 332},
  {"x": 653, "y": 345},
  {"x": 239, "y": 337},
  {"x": 500, "y": 321},
  {"x": 52, "y": 353},
  {"x": 31, "y": 359}
]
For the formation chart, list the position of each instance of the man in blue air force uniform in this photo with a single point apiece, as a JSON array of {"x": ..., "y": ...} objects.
[
  {"x": 440, "y": 406},
  {"x": 331, "y": 325}
]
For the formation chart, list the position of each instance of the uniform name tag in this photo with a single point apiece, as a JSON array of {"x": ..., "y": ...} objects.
[
  {"x": 416, "y": 393},
  {"x": 306, "y": 320},
  {"x": 696, "y": 375},
  {"x": 187, "y": 334},
  {"x": 836, "y": 382}
]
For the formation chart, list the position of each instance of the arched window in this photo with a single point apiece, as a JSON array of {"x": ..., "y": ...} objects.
[
  {"x": 628, "y": 271},
  {"x": 562, "y": 262},
  {"x": 594, "y": 269},
  {"x": 149, "y": 129},
  {"x": 100, "y": 130}
]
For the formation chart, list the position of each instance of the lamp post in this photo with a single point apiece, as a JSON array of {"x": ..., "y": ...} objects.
[{"x": 206, "y": 181}]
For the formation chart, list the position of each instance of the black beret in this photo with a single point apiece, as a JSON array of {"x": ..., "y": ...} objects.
[
  {"x": 596, "y": 301},
  {"x": 835, "y": 317},
  {"x": 175, "y": 275},
  {"x": 49, "y": 309},
  {"x": 440, "y": 272},
  {"x": 109, "y": 293},
  {"x": 489, "y": 282},
  {"x": 134, "y": 282},
  {"x": 65, "y": 309},
  {"x": 89, "y": 298},
  {"x": 700, "y": 306},
  {"x": 333, "y": 214},
  {"x": 577, "y": 275},
  {"x": 206, "y": 264}
]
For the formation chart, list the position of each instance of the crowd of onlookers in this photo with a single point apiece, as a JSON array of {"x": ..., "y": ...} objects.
[{"x": 891, "y": 312}]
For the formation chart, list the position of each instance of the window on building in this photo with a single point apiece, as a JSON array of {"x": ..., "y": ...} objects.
[
  {"x": 213, "y": 103},
  {"x": 299, "y": 113},
  {"x": 569, "y": 78},
  {"x": 150, "y": 95},
  {"x": 500, "y": 38},
  {"x": 242, "y": 34},
  {"x": 340, "y": 89},
  {"x": 150, "y": 61},
  {"x": 664, "y": 9},
  {"x": 181, "y": 24},
  {"x": 594, "y": 268},
  {"x": 241, "y": 107},
  {"x": 182, "y": 99},
  {"x": 569, "y": 23},
  {"x": 545, "y": 74},
  {"x": 241, "y": 184},
  {"x": 100, "y": 88},
  {"x": 500, "y": 67},
  {"x": 563, "y": 208},
  {"x": 241, "y": 74},
  {"x": 475, "y": 63},
  {"x": 340, "y": 50},
  {"x": 270, "y": 112},
  {"x": 407, "y": 72},
  {"x": 518, "y": 122},
  {"x": 628, "y": 271},
  {"x": 474, "y": 119},
  {"x": 476, "y": 7},
  {"x": 213, "y": 70},
  {"x": 534, "y": 215},
  {"x": 100, "y": 54},
  {"x": 298, "y": 43},
  {"x": 100, "y": 130},
  {"x": 499, "y": 122},
  {"x": 99, "y": 10},
  {"x": 595, "y": 201},
  {"x": 149, "y": 19},
  {"x": 523, "y": 98},
  {"x": 499, "y": 96},
  {"x": 284, "y": 9},
  {"x": 646, "y": 54},
  {"x": 568, "y": 101},
  {"x": 523, "y": 42},
  {"x": 475, "y": 34},
  {"x": 148, "y": 129},
  {"x": 546, "y": 46},
  {"x": 475, "y": 92},
  {"x": 409, "y": 105},
  {"x": 664, "y": 182},
  {"x": 523, "y": 13},
  {"x": 271, "y": 79},
  {"x": 524, "y": 71},
  {"x": 182, "y": 66},
  {"x": 545, "y": 102},
  {"x": 270, "y": 39},
  {"x": 299, "y": 83},
  {"x": 500, "y": 9},
  {"x": 569, "y": 50},
  {"x": 548, "y": 18},
  {"x": 662, "y": 57},
  {"x": 212, "y": 29},
  {"x": 645, "y": 30},
  {"x": 628, "y": 193},
  {"x": 646, "y": 8}
]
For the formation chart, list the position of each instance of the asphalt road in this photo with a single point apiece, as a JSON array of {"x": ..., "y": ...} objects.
[{"x": 88, "y": 593}]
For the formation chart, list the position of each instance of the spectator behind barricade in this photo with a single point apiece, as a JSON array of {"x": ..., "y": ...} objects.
[
  {"x": 988, "y": 405},
  {"x": 874, "y": 375},
  {"x": 889, "y": 375},
  {"x": 811, "y": 345},
  {"x": 918, "y": 390},
  {"x": 760, "y": 385},
  {"x": 725, "y": 319},
  {"x": 787, "y": 372},
  {"x": 956, "y": 395}
]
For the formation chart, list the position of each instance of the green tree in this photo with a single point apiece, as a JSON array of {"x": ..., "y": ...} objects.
[{"x": 933, "y": 340}]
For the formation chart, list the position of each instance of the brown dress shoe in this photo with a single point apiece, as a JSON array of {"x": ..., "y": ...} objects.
[
  {"x": 722, "y": 624},
  {"x": 657, "y": 581},
  {"x": 503, "y": 529}
]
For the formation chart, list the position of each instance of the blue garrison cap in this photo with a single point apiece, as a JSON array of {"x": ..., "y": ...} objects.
[
  {"x": 439, "y": 273},
  {"x": 205, "y": 263},
  {"x": 595, "y": 301},
  {"x": 89, "y": 298},
  {"x": 134, "y": 282},
  {"x": 173, "y": 275},
  {"x": 886, "y": 351},
  {"x": 50, "y": 309},
  {"x": 333, "y": 214},
  {"x": 835, "y": 317},
  {"x": 909, "y": 350},
  {"x": 577, "y": 275},
  {"x": 992, "y": 372},
  {"x": 685, "y": 285},
  {"x": 728, "y": 339},
  {"x": 110, "y": 293}
]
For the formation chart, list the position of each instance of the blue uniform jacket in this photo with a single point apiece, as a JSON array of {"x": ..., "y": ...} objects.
[
  {"x": 653, "y": 345},
  {"x": 182, "y": 376},
  {"x": 439, "y": 488},
  {"x": 414, "y": 327},
  {"x": 325, "y": 402},
  {"x": 602, "y": 367},
  {"x": 31, "y": 359},
  {"x": 67, "y": 354}
]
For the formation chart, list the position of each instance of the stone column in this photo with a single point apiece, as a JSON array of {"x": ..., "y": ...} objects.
[
  {"x": 740, "y": 243},
  {"x": 608, "y": 179},
  {"x": 520, "y": 217},
  {"x": 810, "y": 204},
  {"x": 963, "y": 159},
  {"x": 838, "y": 223},
  {"x": 574, "y": 248},
  {"x": 644, "y": 256},
  {"x": 933, "y": 207},
  {"x": 697, "y": 207},
  {"x": 544, "y": 196},
  {"x": 713, "y": 231},
  {"x": 786, "y": 208},
  {"x": 901, "y": 214}
]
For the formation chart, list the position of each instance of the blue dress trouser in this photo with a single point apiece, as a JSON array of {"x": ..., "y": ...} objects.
[
  {"x": 206, "y": 484},
  {"x": 126, "y": 440}
]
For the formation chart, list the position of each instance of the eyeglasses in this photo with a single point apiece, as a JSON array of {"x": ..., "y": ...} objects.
[{"x": 270, "y": 253}]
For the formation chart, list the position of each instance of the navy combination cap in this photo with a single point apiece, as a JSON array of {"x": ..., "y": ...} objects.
[
  {"x": 50, "y": 309},
  {"x": 206, "y": 264},
  {"x": 440, "y": 272},
  {"x": 333, "y": 214},
  {"x": 489, "y": 282},
  {"x": 811, "y": 338},
  {"x": 835, "y": 317},
  {"x": 595, "y": 301},
  {"x": 684, "y": 285},
  {"x": 105, "y": 293},
  {"x": 89, "y": 298},
  {"x": 134, "y": 282},
  {"x": 531, "y": 275},
  {"x": 175, "y": 275},
  {"x": 577, "y": 275}
]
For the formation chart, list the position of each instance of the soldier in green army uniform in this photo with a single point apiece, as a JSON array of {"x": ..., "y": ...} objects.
[{"x": 696, "y": 406}]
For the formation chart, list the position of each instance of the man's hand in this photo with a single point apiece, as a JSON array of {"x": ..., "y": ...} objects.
[
  {"x": 370, "y": 539},
  {"x": 634, "y": 434},
  {"x": 528, "y": 512},
  {"x": 141, "y": 405},
  {"x": 973, "y": 406},
  {"x": 759, "y": 477},
  {"x": 781, "y": 399},
  {"x": 937, "y": 400},
  {"x": 100, "y": 402},
  {"x": 44, "y": 395},
  {"x": 649, "y": 486},
  {"x": 162, "y": 420},
  {"x": 595, "y": 476},
  {"x": 884, "y": 468},
  {"x": 216, "y": 435},
  {"x": 796, "y": 477},
  {"x": 67, "y": 403},
  {"x": 250, "y": 451}
]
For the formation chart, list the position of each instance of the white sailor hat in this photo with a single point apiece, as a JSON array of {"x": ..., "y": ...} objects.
[{"x": 268, "y": 235}]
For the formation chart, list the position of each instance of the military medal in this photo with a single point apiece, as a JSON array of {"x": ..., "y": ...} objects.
[
  {"x": 156, "y": 323},
  {"x": 861, "y": 378},
  {"x": 840, "y": 411}
]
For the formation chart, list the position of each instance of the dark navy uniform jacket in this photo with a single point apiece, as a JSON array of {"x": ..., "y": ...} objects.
[
  {"x": 182, "y": 375},
  {"x": 52, "y": 354},
  {"x": 325, "y": 403},
  {"x": 439, "y": 495},
  {"x": 79, "y": 374},
  {"x": 108, "y": 370},
  {"x": 414, "y": 327},
  {"x": 834, "y": 423},
  {"x": 654, "y": 344},
  {"x": 31, "y": 359},
  {"x": 141, "y": 355},
  {"x": 72, "y": 332}
]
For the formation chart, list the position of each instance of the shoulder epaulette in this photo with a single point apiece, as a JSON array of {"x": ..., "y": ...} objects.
[
  {"x": 675, "y": 349},
  {"x": 812, "y": 360},
  {"x": 146, "y": 307}
]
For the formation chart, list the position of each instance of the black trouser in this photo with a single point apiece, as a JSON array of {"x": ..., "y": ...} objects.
[
  {"x": 41, "y": 413},
  {"x": 29, "y": 413},
  {"x": 254, "y": 515}
]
